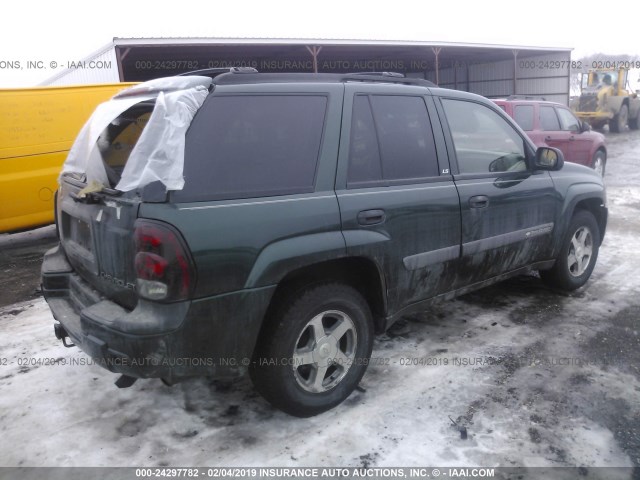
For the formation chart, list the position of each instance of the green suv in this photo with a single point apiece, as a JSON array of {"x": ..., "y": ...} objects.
[{"x": 273, "y": 223}]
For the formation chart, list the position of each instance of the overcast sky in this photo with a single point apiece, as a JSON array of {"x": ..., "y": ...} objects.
[{"x": 66, "y": 31}]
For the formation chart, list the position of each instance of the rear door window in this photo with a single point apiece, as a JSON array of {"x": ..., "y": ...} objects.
[
  {"x": 365, "y": 164},
  {"x": 391, "y": 141},
  {"x": 253, "y": 145}
]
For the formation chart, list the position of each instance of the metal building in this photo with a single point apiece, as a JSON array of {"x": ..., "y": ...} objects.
[{"x": 490, "y": 70}]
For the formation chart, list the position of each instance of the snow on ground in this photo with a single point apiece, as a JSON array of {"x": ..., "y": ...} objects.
[{"x": 537, "y": 379}]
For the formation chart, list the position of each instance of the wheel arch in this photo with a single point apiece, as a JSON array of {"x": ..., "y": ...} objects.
[
  {"x": 593, "y": 205},
  {"x": 601, "y": 148},
  {"x": 361, "y": 273},
  {"x": 580, "y": 197}
]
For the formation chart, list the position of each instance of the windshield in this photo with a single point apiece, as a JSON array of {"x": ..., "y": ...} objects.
[{"x": 601, "y": 78}]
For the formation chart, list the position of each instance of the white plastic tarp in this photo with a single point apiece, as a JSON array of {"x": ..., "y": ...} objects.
[
  {"x": 84, "y": 156},
  {"x": 159, "y": 153}
]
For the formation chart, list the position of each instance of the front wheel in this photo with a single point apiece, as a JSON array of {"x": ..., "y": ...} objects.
[
  {"x": 315, "y": 351},
  {"x": 578, "y": 254},
  {"x": 617, "y": 123}
]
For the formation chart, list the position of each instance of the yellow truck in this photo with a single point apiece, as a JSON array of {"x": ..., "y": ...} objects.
[
  {"x": 605, "y": 99},
  {"x": 37, "y": 127}
]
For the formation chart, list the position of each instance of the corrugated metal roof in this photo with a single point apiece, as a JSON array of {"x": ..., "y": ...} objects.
[
  {"x": 317, "y": 41},
  {"x": 499, "y": 59},
  {"x": 92, "y": 56}
]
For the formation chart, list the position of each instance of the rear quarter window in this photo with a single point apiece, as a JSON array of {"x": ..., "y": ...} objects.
[{"x": 244, "y": 146}]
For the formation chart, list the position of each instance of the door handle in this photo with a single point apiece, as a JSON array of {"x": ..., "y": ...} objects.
[
  {"x": 479, "y": 201},
  {"x": 548, "y": 137},
  {"x": 371, "y": 217}
]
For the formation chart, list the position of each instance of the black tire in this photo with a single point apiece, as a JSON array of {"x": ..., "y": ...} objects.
[
  {"x": 571, "y": 274},
  {"x": 292, "y": 388},
  {"x": 599, "y": 162},
  {"x": 617, "y": 123},
  {"x": 634, "y": 123}
]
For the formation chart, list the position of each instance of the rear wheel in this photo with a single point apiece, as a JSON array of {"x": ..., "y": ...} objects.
[
  {"x": 315, "y": 352},
  {"x": 617, "y": 123},
  {"x": 578, "y": 254},
  {"x": 634, "y": 123},
  {"x": 599, "y": 162}
]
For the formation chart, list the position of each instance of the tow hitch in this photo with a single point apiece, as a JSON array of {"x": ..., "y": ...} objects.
[
  {"x": 61, "y": 334},
  {"x": 125, "y": 381}
]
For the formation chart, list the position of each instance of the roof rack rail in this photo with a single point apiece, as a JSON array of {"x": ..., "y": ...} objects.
[
  {"x": 526, "y": 97},
  {"x": 228, "y": 77},
  {"x": 384, "y": 74},
  {"x": 386, "y": 77},
  {"x": 214, "y": 72}
]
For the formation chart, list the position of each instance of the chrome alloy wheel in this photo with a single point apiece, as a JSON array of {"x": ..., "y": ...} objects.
[
  {"x": 324, "y": 351},
  {"x": 598, "y": 165},
  {"x": 580, "y": 251}
]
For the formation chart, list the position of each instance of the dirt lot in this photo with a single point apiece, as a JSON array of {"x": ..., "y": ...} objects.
[
  {"x": 20, "y": 260},
  {"x": 537, "y": 379}
]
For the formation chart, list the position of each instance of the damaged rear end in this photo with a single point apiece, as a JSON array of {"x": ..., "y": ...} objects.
[{"x": 118, "y": 285}]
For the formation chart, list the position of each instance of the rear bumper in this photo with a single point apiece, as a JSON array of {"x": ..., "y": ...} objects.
[{"x": 213, "y": 336}]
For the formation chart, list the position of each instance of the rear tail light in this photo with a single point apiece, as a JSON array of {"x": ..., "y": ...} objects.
[{"x": 164, "y": 268}]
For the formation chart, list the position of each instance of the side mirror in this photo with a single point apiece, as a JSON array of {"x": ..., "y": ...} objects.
[
  {"x": 584, "y": 127},
  {"x": 548, "y": 158}
]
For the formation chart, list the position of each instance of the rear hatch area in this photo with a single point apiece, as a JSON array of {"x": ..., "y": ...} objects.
[
  {"x": 96, "y": 234},
  {"x": 96, "y": 223},
  {"x": 131, "y": 150}
]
